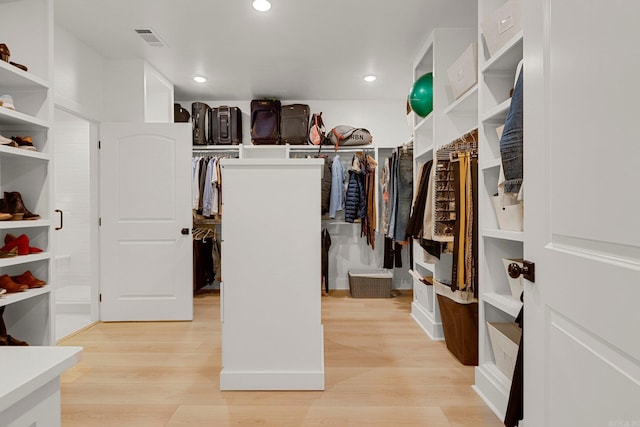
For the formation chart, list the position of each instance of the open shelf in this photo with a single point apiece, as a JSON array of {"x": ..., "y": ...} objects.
[
  {"x": 506, "y": 59},
  {"x": 11, "y": 117},
  {"x": 14, "y": 78},
  {"x": 424, "y": 125},
  {"x": 425, "y": 152},
  {"x": 15, "y": 152},
  {"x": 8, "y": 299},
  {"x": 505, "y": 303},
  {"x": 23, "y": 259},
  {"x": 491, "y": 163},
  {"x": 426, "y": 266},
  {"x": 466, "y": 104},
  {"x": 8, "y": 225},
  {"x": 516, "y": 236},
  {"x": 498, "y": 114}
]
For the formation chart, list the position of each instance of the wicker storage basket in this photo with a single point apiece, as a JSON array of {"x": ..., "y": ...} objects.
[{"x": 370, "y": 283}]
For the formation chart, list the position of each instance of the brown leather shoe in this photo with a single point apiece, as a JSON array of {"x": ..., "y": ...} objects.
[
  {"x": 13, "y": 341},
  {"x": 22, "y": 67},
  {"x": 27, "y": 278},
  {"x": 11, "y": 286},
  {"x": 4, "y": 52},
  {"x": 15, "y": 205}
]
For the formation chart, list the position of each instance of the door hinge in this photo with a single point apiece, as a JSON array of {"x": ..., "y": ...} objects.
[{"x": 100, "y": 298}]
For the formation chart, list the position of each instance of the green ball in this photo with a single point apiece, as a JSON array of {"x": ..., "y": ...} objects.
[{"x": 421, "y": 95}]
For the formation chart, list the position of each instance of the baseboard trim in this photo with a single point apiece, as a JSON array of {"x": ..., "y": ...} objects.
[{"x": 277, "y": 380}]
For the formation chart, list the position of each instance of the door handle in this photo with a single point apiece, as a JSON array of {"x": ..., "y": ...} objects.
[
  {"x": 184, "y": 231},
  {"x": 61, "y": 219},
  {"x": 528, "y": 270}
]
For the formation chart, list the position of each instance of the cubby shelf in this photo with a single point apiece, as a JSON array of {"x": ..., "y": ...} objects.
[
  {"x": 8, "y": 299},
  {"x": 497, "y": 114},
  {"x": 13, "y": 152},
  {"x": 425, "y": 265},
  {"x": 516, "y": 236},
  {"x": 466, "y": 104},
  {"x": 9, "y": 225},
  {"x": 506, "y": 59},
  {"x": 16, "y": 79},
  {"x": 424, "y": 154},
  {"x": 425, "y": 125},
  {"x": 23, "y": 259},
  {"x": 491, "y": 163},
  {"x": 505, "y": 303},
  {"x": 16, "y": 118}
]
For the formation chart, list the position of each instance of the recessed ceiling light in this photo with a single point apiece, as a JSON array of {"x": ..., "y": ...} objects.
[
  {"x": 261, "y": 5},
  {"x": 370, "y": 78},
  {"x": 200, "y": 79}
]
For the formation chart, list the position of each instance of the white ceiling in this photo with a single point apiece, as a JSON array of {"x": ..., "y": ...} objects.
[{"x": 301, "y": 49}]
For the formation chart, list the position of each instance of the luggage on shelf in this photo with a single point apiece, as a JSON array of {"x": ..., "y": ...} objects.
[
  {"x": 200, "y": 118},
  {"x": 294, "y": 124},
  {"x": 265, "y": 121},
  {"x": 317, "y": 132},
  {"x": 344, "y": 135},
  {"x": 225, "y": 125},
  {"x": 180, "y": 115}
]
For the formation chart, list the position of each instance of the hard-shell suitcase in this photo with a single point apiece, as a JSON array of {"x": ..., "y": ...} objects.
[
  {"x": 265, "y": 121},
  {"x": 200, "y": 120},
  {"x": 294, "y": 124},
  {"x": 225, "y": 125}
]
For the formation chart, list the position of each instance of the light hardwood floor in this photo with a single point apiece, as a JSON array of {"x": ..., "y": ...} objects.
[{"x": 380, "y": 370}]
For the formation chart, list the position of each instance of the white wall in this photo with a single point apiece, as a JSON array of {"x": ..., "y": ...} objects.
[
  {"x": 386, "y": 120},
  {"x": 78, "y": 75}
]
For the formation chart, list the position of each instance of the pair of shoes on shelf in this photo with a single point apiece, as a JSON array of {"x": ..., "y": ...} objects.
[
  {"x": 5, "y": 54},
  {"x": 6, "y": 101},
  {"x": 20, "y": 283},
  {"x": 24, "y": 142},
  {"x": 21, "y": 243},
  {"x": 7, "y": 141},
  {"x": 13, "y": 204}
]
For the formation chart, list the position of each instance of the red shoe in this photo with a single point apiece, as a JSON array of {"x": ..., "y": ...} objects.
[
  {"x": 27, "y": 278},
  {"x": 21, "y": 242},
  {"x": 10, "y": 238},
  {"x": 7, "y": 283}
]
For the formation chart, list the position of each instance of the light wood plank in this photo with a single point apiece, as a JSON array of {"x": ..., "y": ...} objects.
[{"x": 380, "y": 370}]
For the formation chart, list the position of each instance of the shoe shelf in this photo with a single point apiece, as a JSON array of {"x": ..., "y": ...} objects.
[
  {"x": 425, "y": 125},
  {"x": 22, "y": 153},
  {"x": 8, "y": 299},
  {"x": 426, "y": 266},
  {"x": 16, "y": 118},
  {"x": 13, "y": 78},
  {"x": 491, "y": 163},
  {"x": 9, "y": 225},
  {"x": 23, "y": 259}
]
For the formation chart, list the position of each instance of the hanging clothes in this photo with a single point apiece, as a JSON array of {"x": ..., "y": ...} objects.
[
  {"x": 384, "y": 183},
  {"x": 370, "y": 223},
  {"x": 356, "y": 202},
  {"x": 416, "y": 220},
  {"x": 337, "y": 196},
  {"x": 326, "y": 244},
  {"x": 404, "y": 187}
]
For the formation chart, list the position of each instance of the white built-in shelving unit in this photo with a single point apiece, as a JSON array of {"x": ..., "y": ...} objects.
[
  {"x": 450, "y": 119},
  {"x": 496, "y": 79},
  {"x": 28, "y": 32}
]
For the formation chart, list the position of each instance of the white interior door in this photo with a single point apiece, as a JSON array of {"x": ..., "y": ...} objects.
[
  {"x": 582, "y": 350},
  {"x": 146, "y": 260}
]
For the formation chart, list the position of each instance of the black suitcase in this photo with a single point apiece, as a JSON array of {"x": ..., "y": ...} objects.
[
  {"x": 200, "y": 119},
  {"x": 294, "y": 124},
  {"x": 265, "y": 122},
  {"x": 225, "y": 125}
]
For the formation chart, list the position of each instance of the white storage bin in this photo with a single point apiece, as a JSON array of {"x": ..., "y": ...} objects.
[
  {"x": 515, "y": 285},
  {"x": 463, "y": 73},
  {"x": 503, "y": 25},
  {"x": 505, "y": 340},
  {"x": 510, "y": 216}
]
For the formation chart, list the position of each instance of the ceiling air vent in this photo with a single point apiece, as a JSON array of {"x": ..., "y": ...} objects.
[{"x": 150, "y": 37}]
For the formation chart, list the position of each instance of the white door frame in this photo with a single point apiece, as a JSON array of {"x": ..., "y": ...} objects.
[{"x": 94, "y": 211}]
